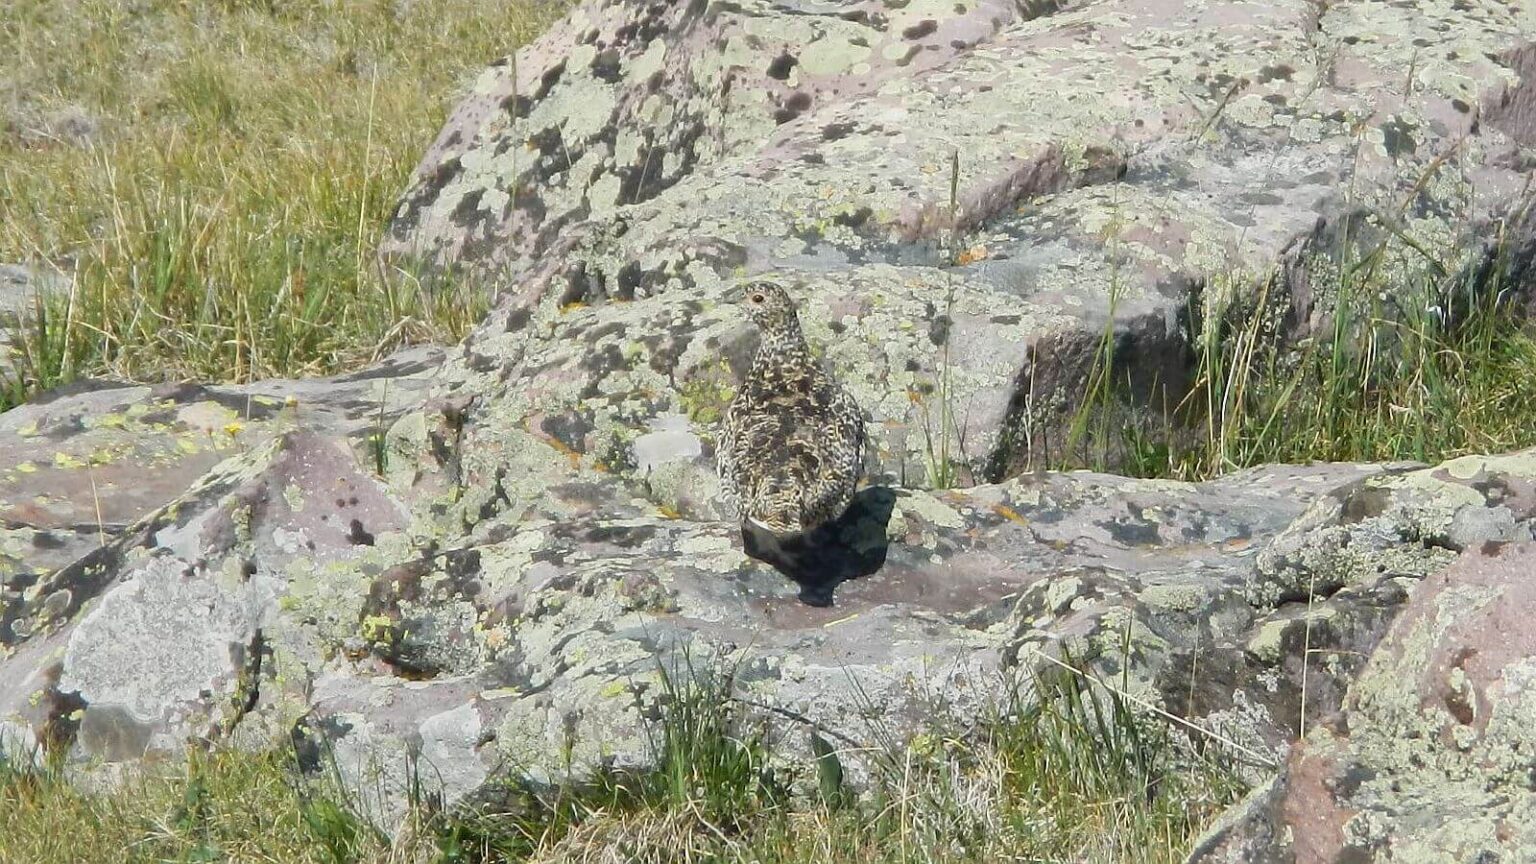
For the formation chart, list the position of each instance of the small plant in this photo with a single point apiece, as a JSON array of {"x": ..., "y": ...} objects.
[
  {"x": 339, "y": 836},
  {"x": 378, "y": 436},
  {"x": 709, "y": 755},
  {"x": 1090, "y": 437},
  {"x": 942, "y": 466}
]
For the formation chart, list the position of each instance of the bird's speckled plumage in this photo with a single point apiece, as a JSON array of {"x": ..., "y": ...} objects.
[{"x": 791, "y": 445}]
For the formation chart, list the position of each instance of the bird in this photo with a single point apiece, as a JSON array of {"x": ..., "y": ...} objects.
[{"x": 790, "y": 450}]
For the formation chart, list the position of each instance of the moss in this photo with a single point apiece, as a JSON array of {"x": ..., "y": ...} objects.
[{"x": 67, "y": 460}]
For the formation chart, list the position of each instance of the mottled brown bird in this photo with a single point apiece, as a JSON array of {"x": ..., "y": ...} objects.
[{"x": 791, "y": 445}]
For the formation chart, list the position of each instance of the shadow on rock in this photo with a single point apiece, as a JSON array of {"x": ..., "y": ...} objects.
[{"x": 849, "y": 547}]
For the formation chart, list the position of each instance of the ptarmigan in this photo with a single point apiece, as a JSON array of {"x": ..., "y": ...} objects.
[{"x": 791, "y": 445}]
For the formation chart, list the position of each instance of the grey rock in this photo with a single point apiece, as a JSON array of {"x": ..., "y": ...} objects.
[
  {"x": 21, "y": 289},
  {"x": 1123, "y": 166},
  {"x": 68, "y": 125},
  {"x": 454, "y": 637},
  {"x": 20, "y": 285}
]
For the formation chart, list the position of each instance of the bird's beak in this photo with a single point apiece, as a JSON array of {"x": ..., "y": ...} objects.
[{"x": 734, "y": 295}]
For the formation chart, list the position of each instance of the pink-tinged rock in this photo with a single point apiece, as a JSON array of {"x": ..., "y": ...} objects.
[{"x": 1433, "y": 756}]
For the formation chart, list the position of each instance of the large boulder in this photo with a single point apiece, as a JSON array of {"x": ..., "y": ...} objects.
[
  {"x": 480, "y": 604},
  {"x": 1433, "y": 757},
  {"x": 980, "y": 200}
]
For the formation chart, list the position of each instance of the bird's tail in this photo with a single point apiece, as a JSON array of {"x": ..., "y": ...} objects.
[{"x": 777, "y": 505}]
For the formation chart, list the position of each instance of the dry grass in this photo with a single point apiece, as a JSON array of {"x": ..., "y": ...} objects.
[
  {"x": 215, "y": 176},
  {"x": 221, "y": 807},
  {"x": 1413, "y": 364}
]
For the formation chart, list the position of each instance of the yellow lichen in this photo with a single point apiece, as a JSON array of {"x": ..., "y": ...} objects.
[
  {"x": 376, "y": 628},
  {"x": 67, "y": 460},
  {"x": 1009, "y": 513}
]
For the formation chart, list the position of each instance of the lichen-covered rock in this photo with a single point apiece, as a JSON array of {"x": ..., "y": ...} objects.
[
  {"x": 471, "y": 566},
  {"x": 86, "y": 462},
  {"x": 1431, "y": 758},
  {"x": 975, "y": 193},
  {"x": 510, "y": 610}
]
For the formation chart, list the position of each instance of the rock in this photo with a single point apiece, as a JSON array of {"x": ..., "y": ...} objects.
[
  {"x": 20, "y": 285},
  {"x": 1430, "y": 758},
  {"x": 974, "y": 193},
  {"x": 35, "y": 127},
  {"x": 542, "y": 599},
  {"x": 21, "y": 288},
  {"x": 86, "y": 461},
  {"x": 484, "y": 565}
]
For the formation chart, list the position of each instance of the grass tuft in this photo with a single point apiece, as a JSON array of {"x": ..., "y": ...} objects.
[
  {"x": 1403, "y": 362},
  {"x": 219, "y": 806},
  {"x": 1077, "y": 775}
]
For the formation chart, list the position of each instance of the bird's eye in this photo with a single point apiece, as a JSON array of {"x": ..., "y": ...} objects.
[{"x": 757, "y": 298}]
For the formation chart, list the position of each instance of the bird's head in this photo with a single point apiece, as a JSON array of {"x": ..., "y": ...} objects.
[{"x": 767, "y": 304}]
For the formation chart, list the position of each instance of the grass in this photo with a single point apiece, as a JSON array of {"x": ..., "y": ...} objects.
[
  {"x": 1077, "y": 776},
  {"x": 1423, "y": 351},
  {"x": 1392, "y": 379},
  {"x": 215, "y": 177},
  {"x": 219, "y": 806},
  {"x": 1417, "y": 359},
  {"x": 941, "y": 463}
]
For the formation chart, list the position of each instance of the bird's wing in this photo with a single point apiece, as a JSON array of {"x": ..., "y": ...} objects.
[
  {"x": 850, "y": 426},
  {"x": 782, "y": 442},
  {"x": 779, "y": 459},
  {"x": 726, "y": 448},
  {"x": 842, "y": 441},
  {"x": 840, "y": 444}
]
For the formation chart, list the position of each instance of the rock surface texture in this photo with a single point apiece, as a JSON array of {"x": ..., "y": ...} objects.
[
  {"x": 1433, "y": 757},
  {"x": 486, "y": 559},
  {"x": 1126, "y": 165}
]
